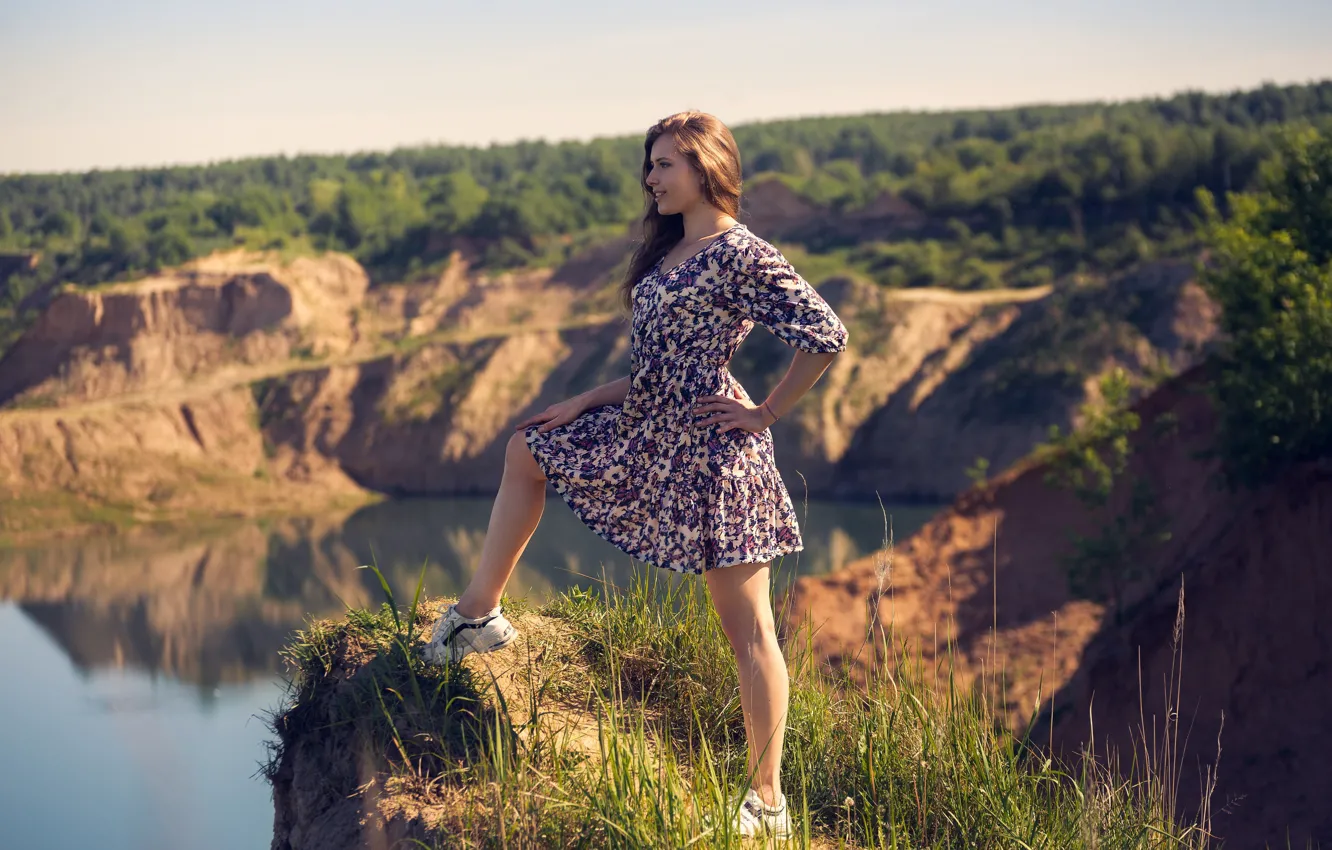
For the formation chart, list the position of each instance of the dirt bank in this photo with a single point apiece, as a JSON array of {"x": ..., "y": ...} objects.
[
  {"x": 240, "y": 382},
  {"x": 990, "y": 574}
]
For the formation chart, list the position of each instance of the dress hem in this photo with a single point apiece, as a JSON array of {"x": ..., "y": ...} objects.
[{"x": 561, "y": 485}]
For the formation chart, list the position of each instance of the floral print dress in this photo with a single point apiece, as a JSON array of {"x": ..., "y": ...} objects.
[{"x": 643, "y": 475}]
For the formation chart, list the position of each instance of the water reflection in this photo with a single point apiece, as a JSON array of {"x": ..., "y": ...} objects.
[
  {"x": 141, "y": 663},
  {"x": 215, "y": 607}
]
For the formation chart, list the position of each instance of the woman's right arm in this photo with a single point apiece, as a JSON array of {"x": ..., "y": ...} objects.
[
  {"x": 564, "y": 412},
  {"x": 612, "y": 393}
]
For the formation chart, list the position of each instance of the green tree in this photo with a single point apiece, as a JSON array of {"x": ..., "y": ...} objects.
[
  {"x": 255, "y": 206},
  {"x": 375, "y": 212},
  {"x": 520, "y": 211},
  {"x": 1087, "y": 460},
  {"x": 60, "y": 224},
  {"x": 978, "y": 472},
  {"x": 1271, "y": 273},
  {"x": 169, "y": 246},
  {"x": 125, "y": 245},
  {"x": 455, "y": 201}
]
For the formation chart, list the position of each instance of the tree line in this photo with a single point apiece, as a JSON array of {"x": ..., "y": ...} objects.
[{"x": 1030, "y": 188}]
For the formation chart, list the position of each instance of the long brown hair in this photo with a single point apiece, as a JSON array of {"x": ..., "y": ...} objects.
[{"x": 710, "y": 148}]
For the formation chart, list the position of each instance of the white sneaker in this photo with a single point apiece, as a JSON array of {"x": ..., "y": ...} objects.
[
  {"x": 758, "y": 819},
  {"x": 456, "y": 636}
]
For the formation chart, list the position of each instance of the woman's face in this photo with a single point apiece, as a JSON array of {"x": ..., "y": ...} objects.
[{"x": 675, "y": 184}]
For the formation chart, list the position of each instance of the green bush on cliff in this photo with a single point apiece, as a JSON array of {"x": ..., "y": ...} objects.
[
  {"x": 1271, "y": 272},
  {"x": 1088, "y": 462},
  {"x": 1087, "y": 459}
]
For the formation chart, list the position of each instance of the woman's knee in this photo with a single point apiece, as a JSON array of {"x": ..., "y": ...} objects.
[{"x": 518, "y": 457}]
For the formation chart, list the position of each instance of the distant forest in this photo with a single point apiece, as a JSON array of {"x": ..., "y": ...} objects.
[{"x": 1020, "y": 195}]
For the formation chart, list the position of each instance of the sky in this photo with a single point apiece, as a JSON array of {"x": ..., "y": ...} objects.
[{"x": 93, "y": 84}]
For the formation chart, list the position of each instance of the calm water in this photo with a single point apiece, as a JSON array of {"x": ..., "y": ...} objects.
[{"x": 136, "y": 668}]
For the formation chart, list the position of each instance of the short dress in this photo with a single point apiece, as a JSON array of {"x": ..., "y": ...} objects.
[{"x": 643, "y": 475}]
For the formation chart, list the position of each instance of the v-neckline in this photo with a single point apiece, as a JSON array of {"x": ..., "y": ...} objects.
[{"x": 699, "y": 252}]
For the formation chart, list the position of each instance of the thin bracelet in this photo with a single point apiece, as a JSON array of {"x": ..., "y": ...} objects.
[{"x": 769, "y": 409}]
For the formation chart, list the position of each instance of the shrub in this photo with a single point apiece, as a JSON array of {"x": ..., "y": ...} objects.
[{"x": 1271, "y": 273}]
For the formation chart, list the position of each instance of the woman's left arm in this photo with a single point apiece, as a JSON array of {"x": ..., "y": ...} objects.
[{"x": 759, "y": 284}]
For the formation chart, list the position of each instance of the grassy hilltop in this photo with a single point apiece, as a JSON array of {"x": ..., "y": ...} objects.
[{"x": 615, "y": 722}]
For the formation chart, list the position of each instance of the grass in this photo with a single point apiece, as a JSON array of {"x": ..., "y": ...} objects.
[{"x": 488, "y": 753}]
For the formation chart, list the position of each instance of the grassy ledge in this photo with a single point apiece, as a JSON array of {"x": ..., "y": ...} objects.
[{"x": 615, "y": 721}]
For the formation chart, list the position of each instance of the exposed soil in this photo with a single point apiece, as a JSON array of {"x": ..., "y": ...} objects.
[
  {"x": 248, "y": 384},
  {"x": 983, "y": 587}
]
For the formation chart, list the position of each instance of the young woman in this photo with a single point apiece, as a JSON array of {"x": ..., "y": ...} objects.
[{"x": 674, "y": 463}]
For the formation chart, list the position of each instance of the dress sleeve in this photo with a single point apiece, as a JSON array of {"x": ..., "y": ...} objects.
[{"x": 761, "y": 285}]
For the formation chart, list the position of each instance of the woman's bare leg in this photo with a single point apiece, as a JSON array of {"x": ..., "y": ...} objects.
[
  {"x": 517, "y": 510},
  {"x": 740, "y": 595}
]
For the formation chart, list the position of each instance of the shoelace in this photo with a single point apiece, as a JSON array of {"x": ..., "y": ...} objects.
[
  {"x": 756, "y": 818},
  {"x": 761, "y": 810},
  {"x": 459, "y": 624}
]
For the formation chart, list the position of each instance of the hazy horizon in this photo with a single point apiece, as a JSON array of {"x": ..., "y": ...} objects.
[
  {"x": 514, "y": 140},
  {"x": 152, "y": 83}
]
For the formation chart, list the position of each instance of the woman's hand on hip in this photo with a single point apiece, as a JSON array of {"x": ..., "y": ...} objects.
[
  {"x": 730, "y": 413},
  {"x": 560, "y": 413}
]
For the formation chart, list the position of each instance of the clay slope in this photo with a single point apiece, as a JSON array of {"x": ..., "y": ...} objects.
[
  {"x": 436, "y": 420},
  {"x": 155, "y": 399},
  {"x": 163, "y": 332},
  {"x": 132, "y": 402},
  {"x": 243, "y": 382},
  {"x": 1257, "y": 576},
  {"x": 934, "y": 379},
  {"x": 102, "y": 468},
  {"x": 921, "y": 368}
]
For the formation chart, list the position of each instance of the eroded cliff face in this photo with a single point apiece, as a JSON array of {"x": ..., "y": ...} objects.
[
  {"x": 934, "y": 379},
  {"x": 183, "y": 327},
  {"x": 437, "y": 420},
  {"x": 227, "y": 387},
  {"x": 243, "y": 383},
  {"x": 105, "y": 466},
  {"x": 990, "y": 574}
]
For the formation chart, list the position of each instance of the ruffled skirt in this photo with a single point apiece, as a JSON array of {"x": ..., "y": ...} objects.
[{"x": 685, "y": 520}]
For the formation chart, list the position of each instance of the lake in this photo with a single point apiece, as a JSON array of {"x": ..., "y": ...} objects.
[{"x": 138, "y": 667}]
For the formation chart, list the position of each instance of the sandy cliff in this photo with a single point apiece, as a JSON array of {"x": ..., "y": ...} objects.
[
  {"x": 104, "y": 467},
  {"x": 1257, "y": 577},
  {"x": 241, "y": 382},
  {"x": 435, "y": 420},
  {"x": 934, "y": 379},
  {"x": 179, "y": 328}
]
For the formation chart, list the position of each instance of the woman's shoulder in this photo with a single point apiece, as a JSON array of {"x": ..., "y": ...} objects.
[
  {"x": 740, "y": 234},
  {"x": 743, "y": 242},
  {"x": 746, "y": 251}
]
